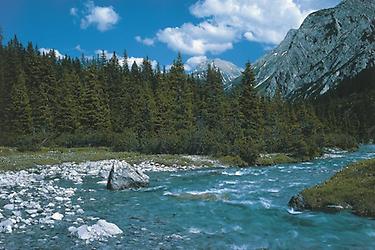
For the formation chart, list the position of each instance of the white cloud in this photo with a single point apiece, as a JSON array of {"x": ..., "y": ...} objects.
[
  {"x": 146, "y": 41},
  {"x": 104, "y": 18},
  {"x": 48, "y": 50},
  {"x": 139, "y": 61},
  {"x": 225, "y": 22},
  {"x": 79, "y": 49},
  {"x": 74, "y": 11},
  {"x": 257, "y": 20},
  {"x": 198, "y": 39},
  {"x": 194, "y": 61},
  {"x": 107, "y": 54}
]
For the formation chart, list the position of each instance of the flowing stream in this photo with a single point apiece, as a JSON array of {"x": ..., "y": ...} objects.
[{"x": 217, "y": 208}]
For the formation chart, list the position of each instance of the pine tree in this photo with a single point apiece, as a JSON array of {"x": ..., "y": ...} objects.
[
  {"x": 114, "y": 84},
  {"x": 20, "y": 110},
  {"x": 95, "y": 112},
  {"x": 250, "y": 118},
  {"x": 66, "y": 111}
]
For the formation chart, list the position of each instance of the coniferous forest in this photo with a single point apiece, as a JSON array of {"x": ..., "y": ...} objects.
[{"x": 72, "y": 102}]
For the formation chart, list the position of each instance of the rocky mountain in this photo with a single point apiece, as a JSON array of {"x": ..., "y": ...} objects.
[
  {"x": 330, "y": 46},
  {"x": 228, "y": 70}
]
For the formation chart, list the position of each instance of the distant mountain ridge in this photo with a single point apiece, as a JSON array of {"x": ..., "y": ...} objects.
[
  {"x": 228, "y": 70},
  {"x": 330, "y": 46}
]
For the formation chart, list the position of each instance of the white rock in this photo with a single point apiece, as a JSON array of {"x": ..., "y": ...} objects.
[
  {"x": 57, "y": 216},
  {"x": 6, "y": 226},
  {"x": 110, "y": 228},
  {"x": 9, "y": 206},
  {"x": 101, "y": 230}
]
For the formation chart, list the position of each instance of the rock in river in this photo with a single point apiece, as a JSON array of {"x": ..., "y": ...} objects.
[
  {"x": 123, "y": 176},
  {"x": 98, "y": 231},
  {"x": 297, "y": 202}
]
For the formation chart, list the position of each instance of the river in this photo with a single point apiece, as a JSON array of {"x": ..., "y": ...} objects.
[{"x": 217, "y": 208}]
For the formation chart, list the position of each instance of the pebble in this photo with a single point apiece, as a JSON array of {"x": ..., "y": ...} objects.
[
  {"x": 36, "y": 192},
  {"x": 57, "y": 216}
]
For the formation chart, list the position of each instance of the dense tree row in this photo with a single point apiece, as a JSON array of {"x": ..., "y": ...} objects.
[
  {"x": 69, "y": 102},
  {"x": 350, "y": 107}
]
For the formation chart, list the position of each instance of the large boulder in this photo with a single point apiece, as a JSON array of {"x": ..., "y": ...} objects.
[
  {"x": 124, "y": 176},
  {"x": 297, "y": 202},
  {"x": 99, "y": 231}
]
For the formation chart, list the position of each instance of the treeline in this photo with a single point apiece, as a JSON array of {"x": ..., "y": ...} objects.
[
  {"x": 350, "y": 107},
  {"x": 48, "y": 101}
]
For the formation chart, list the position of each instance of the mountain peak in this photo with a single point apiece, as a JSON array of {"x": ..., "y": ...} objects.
[
  {"x": 331, "y": 45},
  {"x": 229, "y": 71}
]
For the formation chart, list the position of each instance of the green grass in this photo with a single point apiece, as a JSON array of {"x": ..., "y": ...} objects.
[
  {"x": 353, "y": 187},
  {"x": 11, "y": 159}
]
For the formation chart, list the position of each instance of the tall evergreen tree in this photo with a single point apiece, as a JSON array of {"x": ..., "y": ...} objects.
[{"x": 20, "y": 110}]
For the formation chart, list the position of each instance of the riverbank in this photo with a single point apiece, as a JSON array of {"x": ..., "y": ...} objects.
[
  {"x": 12, "y": 159},
  {"x": 353, "y": 189}
]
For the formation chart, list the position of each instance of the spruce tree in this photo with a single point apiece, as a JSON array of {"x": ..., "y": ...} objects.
[{"x": 20, "y": 110}]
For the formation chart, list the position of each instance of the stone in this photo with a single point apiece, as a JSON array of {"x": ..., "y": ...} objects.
[
  {"x": 57, "y": 216},
  {"x": 9, "y": 206},
  {"x": 109, "y": 228},
  {"x": 6, "y": 226},
  {"x": 99, "y": 231},
  {"x": 297, "y": 202},
  {"x": 124, "y": 176}
]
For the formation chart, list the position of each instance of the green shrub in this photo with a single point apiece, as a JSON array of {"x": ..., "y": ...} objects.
[
  {"x": 232, "y": 160},
  {"x": 126, "y": 141}
]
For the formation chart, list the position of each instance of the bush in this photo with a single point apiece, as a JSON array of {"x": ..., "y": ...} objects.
[
  {"x": 232, "y": 160},
  {"x": 30, "y": 142},
  {"x": 126, "y": 141},
  {"x": 247, "y": 150},
  {"x": 343, "y": 141}
]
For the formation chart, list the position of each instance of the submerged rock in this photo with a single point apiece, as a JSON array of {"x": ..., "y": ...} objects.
[{"x": 124, "y": 176}]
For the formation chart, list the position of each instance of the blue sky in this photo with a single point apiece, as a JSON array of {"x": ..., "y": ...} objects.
[{"x": 234, "y": 30}]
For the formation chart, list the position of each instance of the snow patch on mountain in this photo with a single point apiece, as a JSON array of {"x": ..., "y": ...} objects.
[{"x": 197, "y": 66}]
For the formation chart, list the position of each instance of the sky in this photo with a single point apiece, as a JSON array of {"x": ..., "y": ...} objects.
[{"x": 233, "y": 30}]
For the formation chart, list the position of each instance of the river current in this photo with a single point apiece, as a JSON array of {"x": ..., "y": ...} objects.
[{"x": 216, "y": 208}]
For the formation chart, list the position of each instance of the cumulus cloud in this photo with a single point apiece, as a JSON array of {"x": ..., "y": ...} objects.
[
  {"x": 198, "y": 39},
  {"x": 225, "y": 22},
  {"x": 103, "y": 18},
  {"x": 48, "y": 50},
  {"x": 146, "y": 41}
]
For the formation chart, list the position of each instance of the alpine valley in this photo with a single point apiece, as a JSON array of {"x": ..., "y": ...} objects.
[{"x": 112, "y": 151}]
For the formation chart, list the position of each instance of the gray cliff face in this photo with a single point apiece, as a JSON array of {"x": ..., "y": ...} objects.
[
  {"x": 331, "y": 45},
  {"x": 228, "y": 70}
]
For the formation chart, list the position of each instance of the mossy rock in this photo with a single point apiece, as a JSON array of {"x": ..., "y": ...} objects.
[{"x": 353, "y": 188}]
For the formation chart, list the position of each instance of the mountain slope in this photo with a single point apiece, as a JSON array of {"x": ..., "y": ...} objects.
[
  {"x": 331, "y": 45},
  {"x": 228, "y": 70}
]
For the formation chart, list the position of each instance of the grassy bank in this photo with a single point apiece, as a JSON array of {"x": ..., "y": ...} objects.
[
  {"x": 11, "y": 159},
  {"x": 277, "y": 158},
  {"x": 352, "y": 188}
]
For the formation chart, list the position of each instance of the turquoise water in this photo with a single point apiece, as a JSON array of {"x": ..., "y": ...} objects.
[{"x": 212, "y": 209}]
